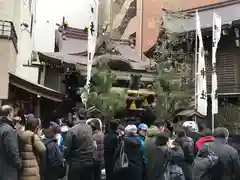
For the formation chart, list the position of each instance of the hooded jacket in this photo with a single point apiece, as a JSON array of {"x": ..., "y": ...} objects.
[
  {"x": 32, "y": 150},
  {"x": 150, "y": 149},
  {"x": 202, "y": 141},
  {"x": 79, "y": 150}
]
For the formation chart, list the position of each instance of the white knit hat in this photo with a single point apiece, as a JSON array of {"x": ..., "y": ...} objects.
[
  {"x": 130, "y": 129},
  {"x": 64, "y": 129},
  {"x": 192, "y": 125}
]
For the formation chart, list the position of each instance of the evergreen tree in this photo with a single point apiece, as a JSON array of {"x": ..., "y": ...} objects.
[
  {"x": 103, "y": 97},
  {"x": 173, "y": 72}
]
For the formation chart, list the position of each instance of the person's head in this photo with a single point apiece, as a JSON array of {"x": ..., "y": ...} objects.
[
  {"x": 7, "y": 111},
  {"x": 81, "y": 114},
  {"x": 162, "y": 139},
  {"x": 113, "y": 125},
  {"x": 159, "y": 124},
  {"x": 142, "y": 129},
  {"x": 32, "y": 123},
  {"x": 130, "y": 129},
  {"x": 191, "y": 125},
  {"x": 221, "y": 133},
  {"x": 95, "y": 124},
  {"x": 56, "y": 127},
  {"x": 181, "y": 133},
  {"x": 51, "y": 129}
]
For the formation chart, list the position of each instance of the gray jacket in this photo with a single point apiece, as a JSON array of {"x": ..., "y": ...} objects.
[{"x": 79, "y": 146}]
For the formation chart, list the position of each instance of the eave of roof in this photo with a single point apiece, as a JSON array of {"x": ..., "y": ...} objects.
[
  {"x": 35, "y": 88},
  {"x": 211, "y": 6},
  {"x": 181, "y": 25}
]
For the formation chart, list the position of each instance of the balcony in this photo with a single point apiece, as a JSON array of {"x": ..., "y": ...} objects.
[{"x": 7, "y": 31}]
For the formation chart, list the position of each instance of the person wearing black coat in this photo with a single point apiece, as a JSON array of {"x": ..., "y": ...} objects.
[
  {"x": 187, "y": 144},
  {"x": 110, "y": 146},
  {"x": 228, "y": 166},
  {"x": 132, "y": 148},
  {"x": 10, "y": 160},
  {"x": 79, "y": 150}
]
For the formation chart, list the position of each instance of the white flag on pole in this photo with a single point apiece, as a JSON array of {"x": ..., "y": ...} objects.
[
  {"x": 216, "y": 35},
  {"x": 92, "y": 38},
  {"x": 201, "y": 73}
]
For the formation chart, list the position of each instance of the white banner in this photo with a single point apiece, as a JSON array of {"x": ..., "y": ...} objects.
[
  {"x": 216, "y": 35},
  {"x": 201, "y": 73},
  {"x": 92, "y": 39}
]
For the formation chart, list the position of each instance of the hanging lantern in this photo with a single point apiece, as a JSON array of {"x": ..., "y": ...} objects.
[{"x": 133, "y": 105}]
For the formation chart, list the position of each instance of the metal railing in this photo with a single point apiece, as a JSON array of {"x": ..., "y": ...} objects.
[{"x": 7, "y": 31}]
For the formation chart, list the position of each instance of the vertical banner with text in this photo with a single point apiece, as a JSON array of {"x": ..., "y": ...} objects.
[
  {"x": 216, "y": 36},
  {"x": 92, "y": 39},
  {"x": 201, "y": 72}
]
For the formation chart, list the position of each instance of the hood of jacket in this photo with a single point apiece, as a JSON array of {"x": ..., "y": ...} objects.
[
  {"x": 203, "y": 140},
  {"x": 153, "y": 131}
]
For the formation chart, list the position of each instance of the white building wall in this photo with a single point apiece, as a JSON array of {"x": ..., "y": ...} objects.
[{"x": 25, "y": 42}]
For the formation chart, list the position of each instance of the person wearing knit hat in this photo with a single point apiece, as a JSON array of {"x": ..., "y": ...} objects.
[
  {"x": 132, "y": 148},
  {"x": 142, "y": 133},
  {"x": 130, "y": 129}
]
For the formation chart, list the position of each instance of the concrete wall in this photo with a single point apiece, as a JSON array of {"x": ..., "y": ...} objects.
[
  {"x": 8, "y": 56},
  {"x": 25, "y": 42},
  {"x": 9, "y": 10}
]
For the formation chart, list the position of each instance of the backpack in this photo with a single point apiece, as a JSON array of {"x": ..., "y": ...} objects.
[
  {"x": 172, "y": 171},
  {"x": 56, "y": 162},
  {"x": 188, "y": 150},
  {"x": 204, "y": 164}
]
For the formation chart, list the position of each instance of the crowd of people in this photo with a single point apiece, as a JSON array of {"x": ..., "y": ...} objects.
[{"x": 51, "y": 151}]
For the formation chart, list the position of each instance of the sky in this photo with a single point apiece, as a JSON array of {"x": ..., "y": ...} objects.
[
  {"x": 50, "y": 12},
  {"x": 76, "y": 12}
]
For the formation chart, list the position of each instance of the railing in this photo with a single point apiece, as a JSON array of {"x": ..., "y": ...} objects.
[{"x": 7, "y": 31}]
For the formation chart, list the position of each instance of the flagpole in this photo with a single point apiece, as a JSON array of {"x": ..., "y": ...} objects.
[
  {"x": 213, "y": 54},
  {"x": 196, "y": 68}
]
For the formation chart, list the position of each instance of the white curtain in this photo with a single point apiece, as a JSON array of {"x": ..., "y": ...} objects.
[
  {"x": 201, "y": 73},
  {"x": 217, "y": 23}
]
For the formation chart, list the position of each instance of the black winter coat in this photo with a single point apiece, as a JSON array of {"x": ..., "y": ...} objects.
[
  {"x": 187, "y": 145},
  {"x": 110, "y": 146},
  {"x": 132, "y": 148},
  {"x": 10, "y": 161},
  {"x": 228, "y": 167},
  {"x": 79, "y": 147}
]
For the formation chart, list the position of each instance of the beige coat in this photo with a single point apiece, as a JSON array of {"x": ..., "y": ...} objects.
[{"x": 31, "y": 147}]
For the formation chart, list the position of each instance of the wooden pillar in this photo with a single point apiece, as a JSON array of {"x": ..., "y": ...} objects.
[{"x": 42, "y": 75}]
